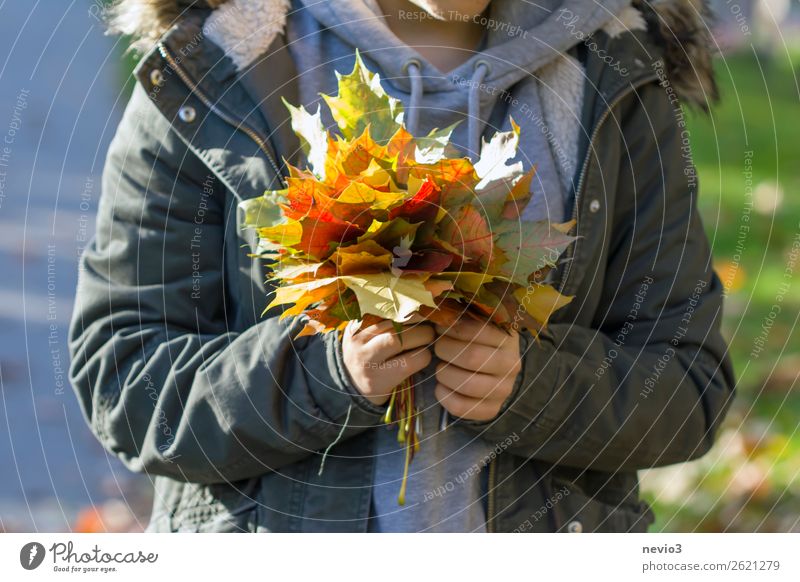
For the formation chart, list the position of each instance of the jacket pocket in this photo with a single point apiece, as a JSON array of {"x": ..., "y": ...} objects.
[{"x": 582, "y": 513}]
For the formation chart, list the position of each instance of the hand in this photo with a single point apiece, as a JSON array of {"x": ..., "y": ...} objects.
[
  {"x": 377, "y": 360},
  {"x": 480, "y": 363}
]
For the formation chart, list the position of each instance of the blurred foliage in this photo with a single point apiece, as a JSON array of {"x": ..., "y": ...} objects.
[{"x": 749, "y": 482}]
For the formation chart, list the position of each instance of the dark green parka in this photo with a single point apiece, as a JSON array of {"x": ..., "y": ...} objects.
[{"x": 180, "y": 376}]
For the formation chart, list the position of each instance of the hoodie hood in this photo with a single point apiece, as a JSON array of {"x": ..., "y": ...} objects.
[{"x": 521, "y": 37}]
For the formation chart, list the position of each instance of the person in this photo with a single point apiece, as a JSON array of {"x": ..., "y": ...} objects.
[{"x": 181, "y": 376}]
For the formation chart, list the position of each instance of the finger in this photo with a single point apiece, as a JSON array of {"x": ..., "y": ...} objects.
[
  {"x": 388, "y": 345},
  {"x": 478, "y": 332},
  {"x": 415, "y": 318},
  {"x": 473, "y": 384},
  {"x": 413, "y": 361},
  {"x": 465, "y": 407},
  {"x": 369, "y": 332},
  {"x": 473, "y": 357},
  {"x": 392, "y": 372}
]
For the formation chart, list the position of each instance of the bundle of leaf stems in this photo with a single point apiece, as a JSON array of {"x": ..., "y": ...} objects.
[{"x": 402, "y": 410}]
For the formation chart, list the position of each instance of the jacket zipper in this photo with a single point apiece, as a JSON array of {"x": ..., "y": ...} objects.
[
  {"x": 230, "y": 120},
  {"x": 578, "y": 190},
  {"x": 585, "y": 169}
]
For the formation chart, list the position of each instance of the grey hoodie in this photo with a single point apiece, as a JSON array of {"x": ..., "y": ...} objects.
[{"x": 498, "y": 81}]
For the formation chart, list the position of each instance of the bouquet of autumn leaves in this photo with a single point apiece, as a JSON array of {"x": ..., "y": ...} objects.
[{"x": 388, "y": 225}]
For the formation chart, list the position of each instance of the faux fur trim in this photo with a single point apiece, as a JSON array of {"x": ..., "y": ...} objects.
[
  {"x": 145, "y": 21},
  {"x": 628, "y": 20},
  {"x": 682, "y": 28},
  {"x": 244, "y": 29}
]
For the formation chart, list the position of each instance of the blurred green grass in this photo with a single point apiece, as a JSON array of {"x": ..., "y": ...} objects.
[{"x": 751, "y": 479}]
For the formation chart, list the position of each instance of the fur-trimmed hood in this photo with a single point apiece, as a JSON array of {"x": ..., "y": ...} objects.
[
  {"x": 244, "y": 30},
  {"x": 683, "y": 30}
]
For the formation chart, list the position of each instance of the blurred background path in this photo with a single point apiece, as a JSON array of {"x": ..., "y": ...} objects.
[{"x": 60, "y": 101}]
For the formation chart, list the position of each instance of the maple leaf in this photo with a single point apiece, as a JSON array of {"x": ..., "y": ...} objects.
[
  {"x": 359, "y": 193},
  {"x": 362, "y": 102},
  {"x": 438, "y": 286},
  {"x": 305, "y": 293},
  {"x": 286, "y": 234},
  {"x": 389, "y": 233},
  {"x": 390, "y": 297},
  {"x": 387, "y": 224},
  {"x": 468, "y": 232},
  {"x": 531, "y": 247},
  {"x": 447, "y": 312},
  {"x": 435, "y": 146},
  {"x": 423, "y": 205},
  {"x": 495, "y": 153},
  {"x": 504, "y": 189},
  {"x": 356, "y": 156},
  {"x": 364, "y": 257},
  {"x": 455, "y": 178},
  {"x": 468, "y": 282},
  {"x": 426, "y": 261},
  {"x": 312, "y": 134},
  {"x": 320, "y": 237},
  {"x": 504, "y": 199},
  {"x": 293, "y": 270},
  {"x": 540, "y": 301},
  {"x": 263, "y": 211}
]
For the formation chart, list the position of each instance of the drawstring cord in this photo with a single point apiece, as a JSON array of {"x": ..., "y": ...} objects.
[
  {"x": 415, "y": 76},
  {"x": 474, "y": 122}
]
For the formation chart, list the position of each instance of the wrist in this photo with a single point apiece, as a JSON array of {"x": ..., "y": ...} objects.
[{"x": 369, "y": 403}]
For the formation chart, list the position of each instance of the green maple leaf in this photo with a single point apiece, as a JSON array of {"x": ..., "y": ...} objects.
[
  {"x": 530, "y": 247},
  {"x": 362, "y": 102},
  {"x": 494, "y": 198},
  {"x": 263, "y": 210}
]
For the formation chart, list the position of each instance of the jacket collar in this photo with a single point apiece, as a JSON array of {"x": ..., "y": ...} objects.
[{"x": 244, "y": 29}]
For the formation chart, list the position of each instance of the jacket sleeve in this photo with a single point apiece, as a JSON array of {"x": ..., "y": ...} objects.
[
  {"x": 163, "y": 381},
  {"x": 649, "y": 382}
]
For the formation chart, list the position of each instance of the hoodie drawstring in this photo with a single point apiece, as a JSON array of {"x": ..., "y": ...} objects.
[
  {"x": 415, "y": 76},
  {"x": 475, "y": 123}
]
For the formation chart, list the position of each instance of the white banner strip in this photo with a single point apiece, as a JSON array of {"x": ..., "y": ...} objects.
[{"x": 389, "y": 558}]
